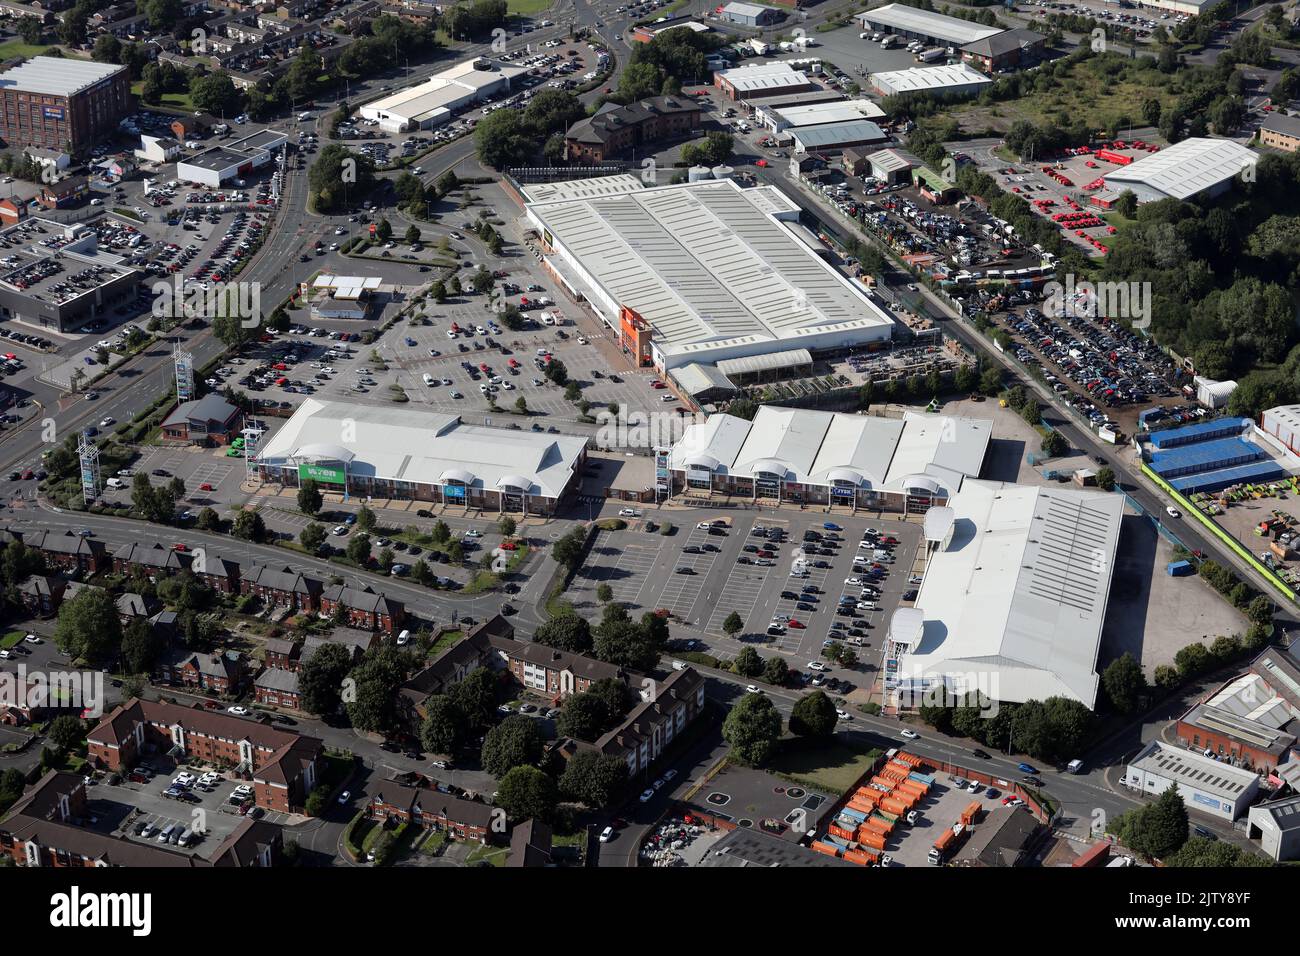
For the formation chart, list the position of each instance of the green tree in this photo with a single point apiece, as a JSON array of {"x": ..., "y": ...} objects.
[
  {"x": 445, "y": 726},
  {"x": 310, "y": 499},
  {"x": 249, "y": 526},
  {"x": 776, "y": 671},
  {"x": 747, "y": 663},
  {"x": 507, "y": 526},
  {"x": 376, "y": 680},
  {"x": 320, "y": 679},
  {"x": 813, "y": 716},
  {"x": 604, "y": 593},
  {"x": 527, "y": 793},
  {"x": 752, "y": 729},
  {"x": 1160, "y": 827},
  {"x": 597, "y": 780},
  {"x": 515, "y": 742},
  {"x": 1106, "y": 478},
  {"x": 1124, "y": 683},
  {"x": 312, "y": 537},
  {"x": 88, "y": 627},
  {"x": 733, "y": 624},
  {"x": 1192, "y": 660},
  {"x": 1055, "y": 445},
  {"x": 366, "y": 519},
  {"x": 566, "y": 632},
  {"x": 66, "y": 732},
  {"x": 584, "y": 716},
  {"x": 358, "y": 550}
]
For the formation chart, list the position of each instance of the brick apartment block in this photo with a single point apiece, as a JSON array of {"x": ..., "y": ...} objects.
[{"x": 281, "y": 764}]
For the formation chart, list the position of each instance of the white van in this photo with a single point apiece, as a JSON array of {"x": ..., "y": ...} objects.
[
  {"x": 404, "y": 638},
  {"x": 547, "y": 318},
  {"x": 429, "y": 379},
  {"x": 115, "y": 483}
]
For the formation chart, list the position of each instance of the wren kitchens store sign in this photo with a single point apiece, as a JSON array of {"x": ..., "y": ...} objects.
[{"x": 323, "y": 474}]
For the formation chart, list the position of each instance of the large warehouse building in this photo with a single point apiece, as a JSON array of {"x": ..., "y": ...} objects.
[
  {"x": 441, "y": 96},
  {"x": 933, "y": 28},
  {"x": 223, "y": 164},
  {"x": 410, "y": 454},
  {"x": 1013, "y": 597},
  {"x": 1193, "y": 167},
  {"x": 699, "y": 273},
  {"x": 902, "y": 465},
  {"x": 1205, "y": 784},
  {"x": 951, "y": 81},
  {"x": 56, "y": 101}
]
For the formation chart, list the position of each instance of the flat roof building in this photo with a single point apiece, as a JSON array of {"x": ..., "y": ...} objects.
[
  {"x": 813, "y": 457},
  {"x": 411, "y": 454},
  {"x": 917, "y": 24},
  {"x": 835, "y": 137},
  {"x": 441, "y": 96},
  {"x": 1193, "y": 167},
  {"x": 762, "y": 79},
  {"x": 1013, "y": 596},
  {"x": 221, "y": 164},
  {"x": 63, "y": 103},
  {"x": 951, "y": 80},
  {"x": 1205, "y": 784},
  {"x": 711, "y": 270}
]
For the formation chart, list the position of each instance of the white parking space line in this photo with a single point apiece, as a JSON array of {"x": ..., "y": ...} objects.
[
  {"x": 603, "y": 565},
  {"x": 744, "y": 586}
]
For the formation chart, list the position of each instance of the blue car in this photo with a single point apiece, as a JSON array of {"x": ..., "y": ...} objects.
[
  {"x": 831, "y": 526},
  {"x": 1026, "y": 768},
  {"x": 350, "y": 519}
]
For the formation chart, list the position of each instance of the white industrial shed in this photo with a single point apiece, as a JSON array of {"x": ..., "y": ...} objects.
[
  {"x": 438, "y": 98},
  {"x": 1205, "y": 784},
  {"x": 834, "y": 137},
  {"x": 1013, "y": 597},
  {"x": 917, "y": 24},
  {"x": 1190, "y": 168},
  {"x": 411, "y": 454},
  {"x": 950, "y": 80},
  {"x": 1276, "y": 826},
  {"x": 806, "y": 456},
  {"x": 712, "y": 270}
]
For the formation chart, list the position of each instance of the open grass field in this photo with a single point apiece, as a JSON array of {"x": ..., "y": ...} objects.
[
  {"x": 527, "y": 8},
  {"x": 1107, "y": 93},
  {"x": 833, "y": 767},
  {"x": 12, "y": 48}
]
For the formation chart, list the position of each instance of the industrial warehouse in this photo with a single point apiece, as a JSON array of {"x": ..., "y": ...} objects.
[
  {"x": 901, "y": 465},
  {"x": 1013, "y": 598},
  {"x": 441, "y": 96},
  {"x": 700, "y": 273},
  {"x": 1193, "y": 167},
  {"x": 953, "y": 81},
  {"x": 422, "y": 456},
  {"x": 935, "y": 28}
]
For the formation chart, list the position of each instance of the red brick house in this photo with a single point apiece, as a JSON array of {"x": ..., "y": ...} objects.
[
  {"x": 49, "y": 826},
  {"x": 282, "y": 587},
  {"x": 281, "y": 653},
  {"x": 395, "y": 803},
  {"x": 153, "y": 559},
  {"x": 41, "y": 594},
  {"x": 222, "y": 674},
  {"x": 210, "y": 420},
  {"x": 281, "y": 764},
  {"x": 276, "y": 687},
  {"x": 363, "y": 608},
  {"x": 68, "y": 551},
  {"x": 216, "y": 570}
]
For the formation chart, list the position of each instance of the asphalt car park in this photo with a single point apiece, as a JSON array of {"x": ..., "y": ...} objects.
[
  {"x": 623, "y": 560},
  {"x": 209, "y": 810}
]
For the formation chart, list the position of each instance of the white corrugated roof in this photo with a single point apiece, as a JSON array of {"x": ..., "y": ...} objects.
[
  {"x": 763, "y": 76},
  {"x": 1187, "y": 168},
  {"x": 810, "y": 445},
  {"x": 920, "y": 78},
  {"x": 925, "y": 23},
  {"x": 56, "y": 75},
  {"x": 1018, "y": 597},
  {"x": 413, "y": 445},
  {"x": 710, "y": 266},
  {"x": 823, "y": 135}
]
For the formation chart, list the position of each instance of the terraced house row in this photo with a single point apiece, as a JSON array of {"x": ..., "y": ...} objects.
[{"x": 278, "y": 587}]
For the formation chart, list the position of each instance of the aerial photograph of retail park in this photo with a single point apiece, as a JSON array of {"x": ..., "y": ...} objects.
[{"x": 571, "y": 433}]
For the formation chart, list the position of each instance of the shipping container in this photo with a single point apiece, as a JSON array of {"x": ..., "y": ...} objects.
[
  {"x": 925, "y": 778},
  {"x": 826, "y": 848},
  {"x": 971, "y": 813},
  {"x": 873, "y": 840},
  {"x": 862, "y": 857},
  {"x": 841, "y": 832},
  {"x": 1178, "y": 569}
]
